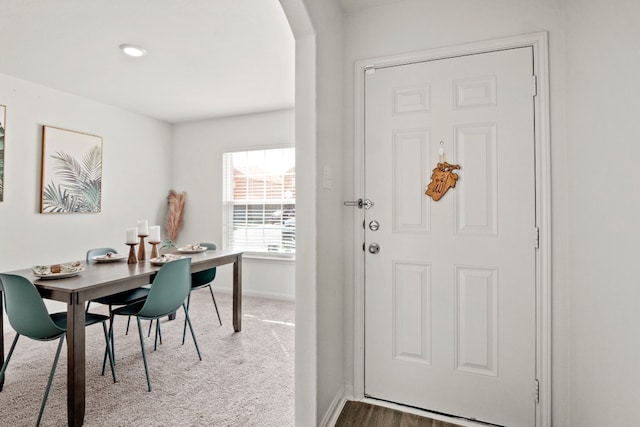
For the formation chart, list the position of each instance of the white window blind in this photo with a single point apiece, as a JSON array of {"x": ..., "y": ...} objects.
[{"x": 259, "y": 201}]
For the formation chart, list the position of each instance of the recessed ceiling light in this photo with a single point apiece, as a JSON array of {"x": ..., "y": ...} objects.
[{"x": 134, "y": 51}]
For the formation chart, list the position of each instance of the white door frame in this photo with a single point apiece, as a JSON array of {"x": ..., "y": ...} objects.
[{"x": 539, "y": 43}]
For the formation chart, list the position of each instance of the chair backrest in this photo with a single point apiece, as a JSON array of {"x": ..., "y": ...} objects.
[
  {"x": 169, "y": 289},
  {"x": 26, "y": 311},
  {"x": 203, "y": 277},
  {"x": 97, "y": 252}
]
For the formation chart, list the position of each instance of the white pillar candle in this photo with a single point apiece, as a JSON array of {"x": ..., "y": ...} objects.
[
  {"x": 132, "y": 234},
  {"x": 154, "y": 233},
  {"x": 143, "y": 228}
]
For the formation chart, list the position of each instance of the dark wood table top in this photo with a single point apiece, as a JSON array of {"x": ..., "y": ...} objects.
[{"x": 107, "y": 278}]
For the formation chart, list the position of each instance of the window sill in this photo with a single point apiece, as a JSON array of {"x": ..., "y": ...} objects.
[{"x": 267, "y": 257}]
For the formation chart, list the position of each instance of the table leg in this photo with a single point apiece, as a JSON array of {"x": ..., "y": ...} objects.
[
  {"x": 237, "y": 294},
  {"x": 75, "y": 362},
  {"x": 1, "y": 338}
]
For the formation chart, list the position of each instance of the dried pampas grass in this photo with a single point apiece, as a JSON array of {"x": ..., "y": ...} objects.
[{"x": 175, "y": 215}]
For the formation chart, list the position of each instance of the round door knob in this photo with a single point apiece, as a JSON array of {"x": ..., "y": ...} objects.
[{"x": 374, "y": 248}]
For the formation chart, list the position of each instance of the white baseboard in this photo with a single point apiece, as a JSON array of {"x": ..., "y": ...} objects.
[
  {"x": 333, "y": 412},
  {"x": 250, "y": 293}
]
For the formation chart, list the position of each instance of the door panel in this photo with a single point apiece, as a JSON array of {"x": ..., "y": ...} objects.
[{"x": 450, "y": 297}]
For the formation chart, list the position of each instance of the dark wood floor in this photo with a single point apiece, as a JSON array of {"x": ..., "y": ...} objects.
[{"x": 358, "y": 414}]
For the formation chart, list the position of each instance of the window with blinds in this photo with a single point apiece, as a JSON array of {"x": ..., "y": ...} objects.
[{"x": 259, "y": 201}]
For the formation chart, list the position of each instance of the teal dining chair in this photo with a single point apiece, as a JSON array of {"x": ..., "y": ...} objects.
[
  {"x": 119, "y": 299},
  {"x": 167, "y": 294},
  {"x": 200, "y": 280},
  {"x": 28, "y": 316}
]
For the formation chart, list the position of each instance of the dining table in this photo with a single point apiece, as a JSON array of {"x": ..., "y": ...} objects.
[{"x": 107, "y": 278}]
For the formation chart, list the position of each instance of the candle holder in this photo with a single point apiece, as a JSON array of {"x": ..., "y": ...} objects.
[
  {"x": 154, "y": 249},
  {"x": 132, "y": 253},
  {"x": 141, "y": 250}
]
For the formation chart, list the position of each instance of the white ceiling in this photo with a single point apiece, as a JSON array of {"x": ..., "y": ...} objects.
[{"x": 207, "y": 58}]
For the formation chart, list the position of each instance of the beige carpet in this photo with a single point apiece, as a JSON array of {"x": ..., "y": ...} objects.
[{"x": 244, "y": 379}]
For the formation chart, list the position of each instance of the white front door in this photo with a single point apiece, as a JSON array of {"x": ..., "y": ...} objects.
[{"x": 450, "y": 305}]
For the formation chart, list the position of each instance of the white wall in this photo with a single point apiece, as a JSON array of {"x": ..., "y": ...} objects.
[
  {"x": 415, "y": 25},
  {"x": 330, "y": 212},
  {"x": 603, "y": 103},
  {"x": 328, "y": 22},
  {"x": 197, "y": 162},
  {"x": 306, "y": 230},
  {"x": 135, "y": 181}
]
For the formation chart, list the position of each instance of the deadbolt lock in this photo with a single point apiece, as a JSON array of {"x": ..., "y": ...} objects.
[{"x": 374, "y": 225}]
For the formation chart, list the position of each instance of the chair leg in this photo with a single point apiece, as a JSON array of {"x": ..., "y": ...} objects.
[
  {"x": 144, "y": 355},
  {"x": 112, "y": 345},
  {"x": 150, "y": 325},
  {"x": 6, "y": 362},
  {"x": 155, "y": 340},
  {"x": 128, "y": 323},
  {"x": 188, "y": 320},
  {"x": 53, "y": 371},
  {"x": 214, "y": 304},
  {"x": 184, "y": 328},
  {"x": 87, "y": 309},
  {"x": 108, "y": 351},
  {"x": 158, "y": 335}
]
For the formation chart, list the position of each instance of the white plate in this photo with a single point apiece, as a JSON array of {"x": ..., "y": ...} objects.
[
  {"x": 192, "y": 249},
  {"x": 44, "y": 272},
  {"x": 113, "y": 258},
  {"x": 164, "y": 259}
]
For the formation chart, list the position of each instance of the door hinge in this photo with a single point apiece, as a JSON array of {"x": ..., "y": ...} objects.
[
  {"x": 536, "y": 237},
  {"x": 536, "y": 392},
  {"x": 534, "y": 79},
  {"x": 369, "y": 69}
]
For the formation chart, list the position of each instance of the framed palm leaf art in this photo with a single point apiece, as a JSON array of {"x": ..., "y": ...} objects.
[{"x": 71, "y": 171}]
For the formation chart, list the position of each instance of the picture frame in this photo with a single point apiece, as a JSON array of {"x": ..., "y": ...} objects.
[
  {"x": 71, "y": 171},
  {"x": 3, "y": 127}
]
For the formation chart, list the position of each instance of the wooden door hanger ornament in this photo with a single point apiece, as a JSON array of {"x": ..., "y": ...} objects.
[{"x": 442, "y": 178}]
